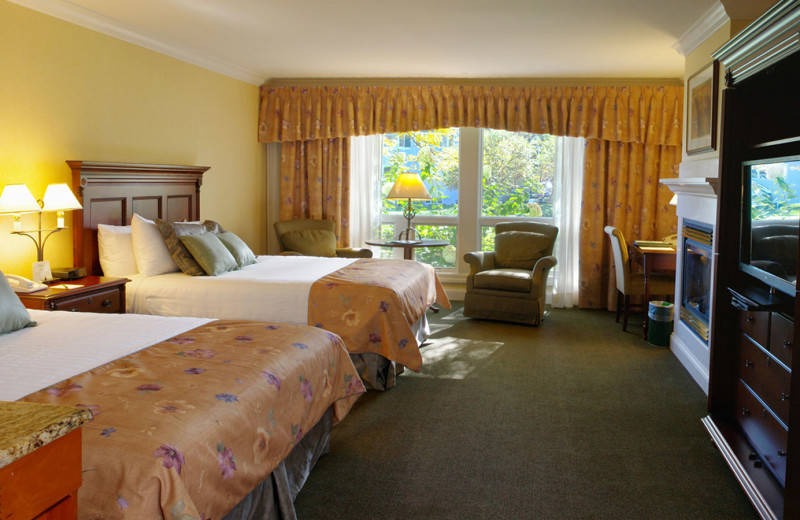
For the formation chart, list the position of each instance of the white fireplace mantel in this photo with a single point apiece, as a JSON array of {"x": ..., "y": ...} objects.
[{"x": 698, "y": 186}]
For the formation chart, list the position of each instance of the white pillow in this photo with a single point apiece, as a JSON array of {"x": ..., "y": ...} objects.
[
  {"x": 149, "y": 248},
  {"x": 115, "y": 245}
]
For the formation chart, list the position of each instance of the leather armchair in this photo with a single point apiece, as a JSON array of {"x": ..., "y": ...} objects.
[
  {"x": 313, "y": 237},
  {"x": 509, "y": 283}
]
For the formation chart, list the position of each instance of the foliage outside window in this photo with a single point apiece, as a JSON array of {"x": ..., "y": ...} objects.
[
  {"x": 516, "y": 182},
  {"x": 774, "y": 190}
]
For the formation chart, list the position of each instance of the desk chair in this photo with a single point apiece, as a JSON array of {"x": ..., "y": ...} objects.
[{"x": 632, "y": 283}]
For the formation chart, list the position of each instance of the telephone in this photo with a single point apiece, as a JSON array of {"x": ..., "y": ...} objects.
[{"x": 23, "y": 285}]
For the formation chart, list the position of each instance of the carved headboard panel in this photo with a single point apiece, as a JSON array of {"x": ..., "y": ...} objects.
[{"x": 111, "y": 193}]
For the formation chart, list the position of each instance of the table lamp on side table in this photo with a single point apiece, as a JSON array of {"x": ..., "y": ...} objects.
[
  {"x": 408, "y": 186},
  {"x": 16, "y": 199}
]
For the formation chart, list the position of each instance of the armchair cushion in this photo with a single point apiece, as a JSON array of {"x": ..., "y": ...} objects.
[
  {"x": 507, "y": 279},
  {"x": 519, "y": 249},
  {"x": 311, "y": 242}
]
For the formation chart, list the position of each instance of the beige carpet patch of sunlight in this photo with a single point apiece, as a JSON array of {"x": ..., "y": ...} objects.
[{"x": 454, "y": 358}]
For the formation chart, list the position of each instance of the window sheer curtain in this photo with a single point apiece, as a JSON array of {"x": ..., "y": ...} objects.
[
  {"x": 567, "y": 196},
  {"x": 365, "y": 196}
]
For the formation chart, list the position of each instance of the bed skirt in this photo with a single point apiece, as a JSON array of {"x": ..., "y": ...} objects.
[
  {"x": 379, "y": 373},
  {"x": 273, "y": 498}
]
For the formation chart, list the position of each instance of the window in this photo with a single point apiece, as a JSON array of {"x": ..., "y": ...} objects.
[{"x": 476, "y": 179}]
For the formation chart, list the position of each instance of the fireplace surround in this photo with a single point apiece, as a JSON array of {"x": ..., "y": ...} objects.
[{"x": 697, "y": 216}]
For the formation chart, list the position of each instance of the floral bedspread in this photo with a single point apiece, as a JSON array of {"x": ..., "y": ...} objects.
[
  {"x": 372, "y": 304},
  {"x": 186, "y": 428}
]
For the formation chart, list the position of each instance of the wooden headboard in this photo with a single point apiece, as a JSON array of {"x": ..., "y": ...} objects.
[{"x": 111, "y": 193}]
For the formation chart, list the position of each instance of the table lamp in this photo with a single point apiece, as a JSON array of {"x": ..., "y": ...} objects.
[
  {"x": 17, "y": 199},
  {"x": 58, "y": 198},
  {"x": 408, "y": 186}
]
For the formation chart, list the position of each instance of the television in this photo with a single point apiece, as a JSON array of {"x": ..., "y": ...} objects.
[{"x": 771, "y": 221}]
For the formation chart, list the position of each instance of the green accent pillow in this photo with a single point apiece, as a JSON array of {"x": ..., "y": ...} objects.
[
  {"x": 310, "y": 242},
  {"x": 210, "y": 253},
  {"x": 172, "y": 231},
  {"x": 13, "y": 315},
  {"x": 238, "y": 248}
]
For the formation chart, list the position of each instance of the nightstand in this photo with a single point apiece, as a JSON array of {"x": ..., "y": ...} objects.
[
  {"x": 89, "y": 294},
  {"x": 40, "y": 460}
]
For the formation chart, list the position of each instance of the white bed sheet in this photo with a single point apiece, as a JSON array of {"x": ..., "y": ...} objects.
[
  {"x": 275, "y": 288},
  {"x": 64, "y": 344}
]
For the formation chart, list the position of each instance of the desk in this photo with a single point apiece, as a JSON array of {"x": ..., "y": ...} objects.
[
  {"x": 408, "y": 247},
  {"x": 652, "y": 258}
]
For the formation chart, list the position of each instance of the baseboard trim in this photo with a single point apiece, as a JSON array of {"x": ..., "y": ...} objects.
[{"x": 694, "y": 366}]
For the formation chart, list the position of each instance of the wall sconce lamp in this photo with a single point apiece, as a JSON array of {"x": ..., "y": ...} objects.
[
  {"x": 408, "y": 186},
  {"x": 17, "y": 199}
]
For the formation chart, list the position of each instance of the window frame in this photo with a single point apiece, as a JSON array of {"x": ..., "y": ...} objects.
[{"x": 470, "y": 220}]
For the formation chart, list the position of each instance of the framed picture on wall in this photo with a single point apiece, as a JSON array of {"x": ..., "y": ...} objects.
[{"x": 701, "y": 112}]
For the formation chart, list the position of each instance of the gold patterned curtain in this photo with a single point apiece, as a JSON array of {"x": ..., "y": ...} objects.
[
  {"x": 315, "y": 183},
  {"x": 635, "y": 132},
  {"x": 620, "y": 188}
]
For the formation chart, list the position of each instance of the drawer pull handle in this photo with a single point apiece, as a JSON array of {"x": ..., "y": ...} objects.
[
  {"x": 748, "y": 318},
  {"x": 745, "y": 411},
  {"x": 781, "y": 453},
  {"x": 107, "y": 303},
  {"x": 90, "y": 300},
  {"x": 787, "y": 343},
  {"x": 73, "y": 310},
  {"x": 748, "y": 363},
  {"x": 784, "y": 396},
  {"x": 756, "y": 460}
]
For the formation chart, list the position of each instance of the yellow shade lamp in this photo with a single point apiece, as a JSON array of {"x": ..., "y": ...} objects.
[
  {"x": 408, "y": 186},
  {"x": 17, "y": 199},
  {"x": 59, "y": 198}
]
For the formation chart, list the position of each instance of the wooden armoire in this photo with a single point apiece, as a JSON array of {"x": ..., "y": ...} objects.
[{"x": 753, "y": 412}]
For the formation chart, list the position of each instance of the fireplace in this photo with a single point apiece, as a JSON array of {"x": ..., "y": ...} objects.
[{"x": 696, "y": 277}]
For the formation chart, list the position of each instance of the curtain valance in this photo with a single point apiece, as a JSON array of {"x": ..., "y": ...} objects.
[{"x": 632, "y": 114}]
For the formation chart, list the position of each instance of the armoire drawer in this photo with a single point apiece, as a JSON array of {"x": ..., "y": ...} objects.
[
  {"x": 780, "y": 338},
  {"x": 756, "y": 325},
  {"x": 768, "y": 378},
  {"x": 767, "y": 436}
]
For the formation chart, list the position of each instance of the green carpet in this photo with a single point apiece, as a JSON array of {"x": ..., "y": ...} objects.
[{"x": 571, "y": 420}]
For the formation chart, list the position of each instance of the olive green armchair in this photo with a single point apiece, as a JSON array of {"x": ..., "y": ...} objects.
[
  {"x": 313, "y": 237},
  {"x": 509, "y": 283}
]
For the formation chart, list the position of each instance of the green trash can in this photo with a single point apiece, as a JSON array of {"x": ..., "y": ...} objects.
[{"x": 659, "y": 324}]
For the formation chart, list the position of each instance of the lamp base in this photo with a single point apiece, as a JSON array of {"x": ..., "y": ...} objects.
[{"x": 41, "y": 271}]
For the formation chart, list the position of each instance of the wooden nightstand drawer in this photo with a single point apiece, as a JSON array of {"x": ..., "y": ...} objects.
[
  {"x": 44, "y": 483},
  {"x": 108, "y": 301},
  {"x": 90, "y": 294}
]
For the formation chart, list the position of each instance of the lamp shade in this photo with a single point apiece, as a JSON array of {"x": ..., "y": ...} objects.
[
  {"x": 409, "y": 186},
  {"x": 58, "y": 197},
  {"x": 17, "y": 198}
]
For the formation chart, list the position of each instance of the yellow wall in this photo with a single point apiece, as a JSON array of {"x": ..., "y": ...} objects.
[{"x": 68, "y": 93}]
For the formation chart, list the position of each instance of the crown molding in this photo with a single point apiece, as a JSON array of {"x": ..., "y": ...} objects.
[
  {"x": 69, "y": 12},
  {"x": 708, "y": 24}
]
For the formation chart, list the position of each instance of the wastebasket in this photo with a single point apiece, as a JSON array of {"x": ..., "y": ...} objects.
[{"x": 659, "y": 325}]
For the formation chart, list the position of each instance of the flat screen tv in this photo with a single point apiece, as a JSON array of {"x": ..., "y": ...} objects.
[{"x": 770, "y": 221}]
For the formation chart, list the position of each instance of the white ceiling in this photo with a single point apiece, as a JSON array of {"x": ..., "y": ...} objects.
[{"x": 259, "y": 40}]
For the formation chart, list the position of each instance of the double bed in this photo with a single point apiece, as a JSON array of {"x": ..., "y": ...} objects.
[
  {"x": 377, "y": 306},
  {"x": 192, "y": 418}
]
